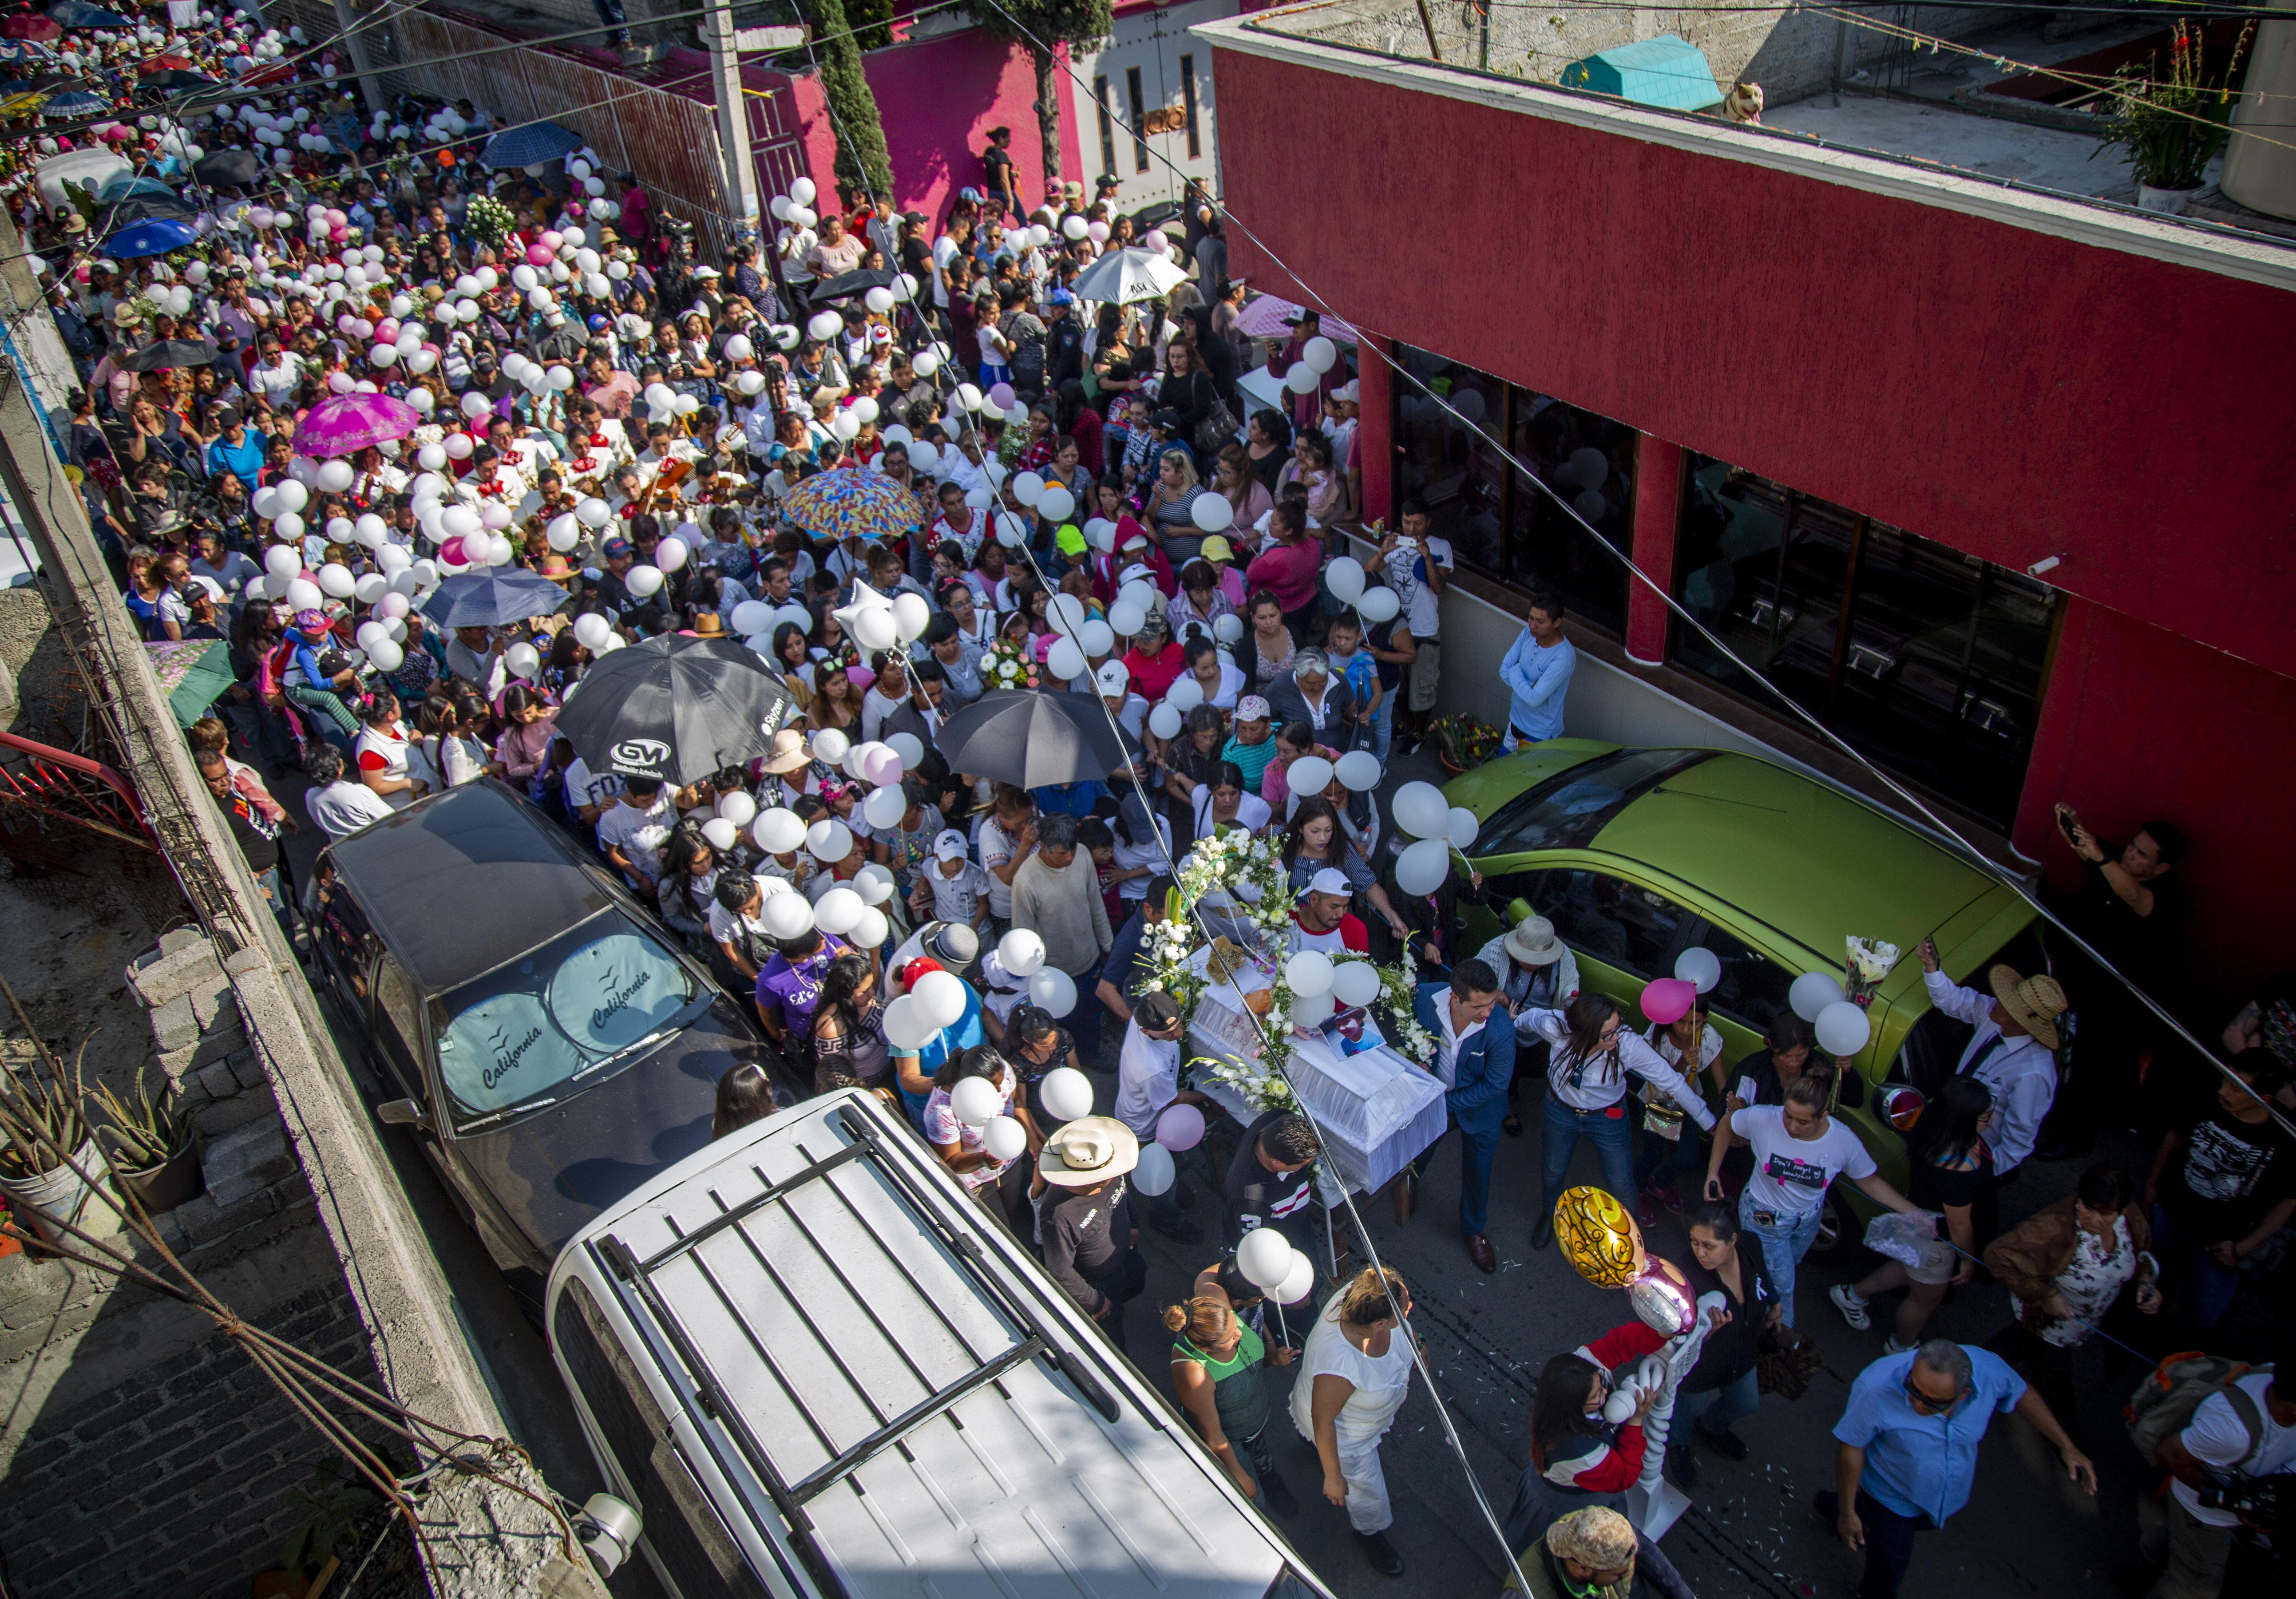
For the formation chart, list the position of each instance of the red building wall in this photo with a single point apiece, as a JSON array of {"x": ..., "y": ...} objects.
[
  {"x": 2007, "y": 392},
  {"x": 2010, "y": 393}
]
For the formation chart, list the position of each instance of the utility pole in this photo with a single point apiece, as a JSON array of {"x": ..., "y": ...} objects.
[{"x": 733, "y": 116}]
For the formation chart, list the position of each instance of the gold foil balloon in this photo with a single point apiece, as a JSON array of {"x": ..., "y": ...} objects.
[{"x": 1599, "y": 1237}]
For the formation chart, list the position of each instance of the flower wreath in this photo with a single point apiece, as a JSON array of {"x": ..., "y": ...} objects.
[{"x": 1251, "y": 872}]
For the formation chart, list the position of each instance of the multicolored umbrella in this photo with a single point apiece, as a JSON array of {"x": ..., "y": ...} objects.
[
  {"x": 349, "y": 423},
  {"x": 845, "y": 504},
  {"x": 155, "y": 237}
]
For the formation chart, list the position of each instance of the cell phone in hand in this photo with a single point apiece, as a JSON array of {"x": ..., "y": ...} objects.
[{"x": 2069, "y": 823}]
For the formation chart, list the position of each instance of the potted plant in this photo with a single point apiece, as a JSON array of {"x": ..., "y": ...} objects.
[
  {"x": 1463, "y": 742},
  {"x": 154, "y": 1158},
  {"x": 2172, "y": 123},
  {"x": 40, "y": 1118}
]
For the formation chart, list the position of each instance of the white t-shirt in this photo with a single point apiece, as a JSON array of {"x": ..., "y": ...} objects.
[
  {"x": 639, "y": 834},
  {"x": 1147, "y": 1080},
  {"x": 996, "y": 849},
  {"x": 1422, "y": 606},
  {"x": 583, "y": 788},
  {"x": 376, "y": 750},
  {"x": 343, "y": 807},
  {"x": 1791, "y": 1174},
  {"x": 724, "y": 925},
  {"x": 1252, "y": 812},
  {"x": 2214, "y": 1436}
]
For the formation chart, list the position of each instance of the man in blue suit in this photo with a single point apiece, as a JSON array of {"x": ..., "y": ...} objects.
[{"x": 1474, "y": 1063}]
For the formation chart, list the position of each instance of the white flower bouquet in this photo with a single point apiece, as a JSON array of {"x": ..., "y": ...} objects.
[{"x": 1871, "y": 961}]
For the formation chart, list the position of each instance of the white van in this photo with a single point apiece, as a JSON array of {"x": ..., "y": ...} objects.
[{"x": 818, "y": 1369}]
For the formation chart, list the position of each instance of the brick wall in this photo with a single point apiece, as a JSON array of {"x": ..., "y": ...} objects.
[
  {"x": 1791, "y": 55},
  {"x": 176, "y": 1481}
]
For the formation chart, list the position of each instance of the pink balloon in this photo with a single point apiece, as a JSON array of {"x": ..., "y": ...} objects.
[
  {"x": 1180, "y": 1127},
  {"x": 393, "y": 605},
  {"x": 336, "y": 235},
  {"x": 551, "y": 239},
  {"x": 540, "y": 255},
  {"x": 387, "y": 330},
  {"x": 451, "y": 550},
  {"x": 882, "y": 766},
  {"x": 1668, "y": 1000},
  {"x": 308, "y": 575},
  {"x": 337, "y": 219},
  {"x": 1001, "y": 396}
]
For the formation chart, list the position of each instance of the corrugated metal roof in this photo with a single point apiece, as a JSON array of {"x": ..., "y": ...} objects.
[{"x": 902, "y": 1395}]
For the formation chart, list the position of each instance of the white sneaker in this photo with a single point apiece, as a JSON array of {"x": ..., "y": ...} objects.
[
  {"x": 1853, "y": 1308},
  {"x": 1890, "y": 1346}
]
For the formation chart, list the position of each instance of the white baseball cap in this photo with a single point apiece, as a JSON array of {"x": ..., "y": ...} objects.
[
  {"x": 1329, "y": 879},
  {"x": 1113, "y": 677},
  {"x": 949, "y": 845}
]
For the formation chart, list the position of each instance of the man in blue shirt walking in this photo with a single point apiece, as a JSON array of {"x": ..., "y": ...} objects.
[
  {"x": 1536, "y": 668},
  {"x": 1908, "y": 1443}
]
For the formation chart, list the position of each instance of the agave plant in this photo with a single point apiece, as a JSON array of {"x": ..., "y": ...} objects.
[
  {"x": 41, "y": 1122},
  {"x": 143, "y": 1132}
]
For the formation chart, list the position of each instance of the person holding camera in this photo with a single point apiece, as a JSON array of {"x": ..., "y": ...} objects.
[{"x": 2226, "y": 1463}]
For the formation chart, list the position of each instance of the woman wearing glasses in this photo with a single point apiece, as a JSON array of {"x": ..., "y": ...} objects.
[{"x": 1590, "y": 1055}]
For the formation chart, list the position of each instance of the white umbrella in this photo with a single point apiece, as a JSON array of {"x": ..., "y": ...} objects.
[{"x": 1122, "y": 276}]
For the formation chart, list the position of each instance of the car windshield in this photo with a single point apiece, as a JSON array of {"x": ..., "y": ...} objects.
[
  {"x": 1567, "y": 810},
  {"x": 526, "y": 1031}
]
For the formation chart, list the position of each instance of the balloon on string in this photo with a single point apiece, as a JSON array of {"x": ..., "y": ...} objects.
[
  {"x": 1065, "y": 659},
  {"x": 1422, "y": 869},
  {"x": 874, "y": 883},
  {"x": 870, "y": 931},
  {"x": 1097, "y": 638},
  {"x": 1355, "y": 982},
  {"x": 1126, "y": 618},
  {"x": 905, "y": 1028},
  {"x": 884, "y": 809},
  {"x": 1055, "y": 503},
  {"x": 1309, "y": 973},
  {"x": 1463, "y": 829},
  {"x": 1053, "y": 990},
  {"x": 1842, "y": 1027},
  {"x": 1812, "y": 992},
  {"x": 1319, "y": 355},
  {"x": 1021, "y": 952},
  {"x": 1315, "y": 1012},
  {"x": 911, "y": 617},
  {"x": 722, "y": 834},
  {"x": 669, "y": 555},
  {"x": 1700, "y": 967},
  {"x": 838, "y": 910},
  {"x": 1003, "y": 1137},
  {"x": 975, "y": 1099},
  {"x": 909, "y": 747},
  {"x": 778, "y": 830},
  {"x": 1667, "y": 1000},
  {"x": 1264, "y": 1256},
  {"x": 829, "y": 840},
  {"x": 831, "y": 745},
  {"x": 1345, "y": 579},
  {"x": 1302, "y": 378},
  {"x": 1211, "y": 513},
  {"x": 941, "y": 996},
  {"x": 786, "y": 916},
  {"x": 1064, "y": 1093},
  {"x": 1185, "y": 695},
  {"x": 1377, "y": 605},
  {"x": 1420, "y": 809},
  {"x": 1180, "y": 1129},
  {"x": 1357, "y": 771},
  {"x": 1155, "y": 1173},
  {"x": 281, "y": 562},
  {"x": 1297, "y": 1283},
  {"x": 1310, "y": 775}
]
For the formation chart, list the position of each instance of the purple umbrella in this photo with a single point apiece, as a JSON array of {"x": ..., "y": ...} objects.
[{"x": 349, "y": 423}]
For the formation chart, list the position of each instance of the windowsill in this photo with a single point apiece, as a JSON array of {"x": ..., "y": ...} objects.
[{"x": 1788, "y": 738}]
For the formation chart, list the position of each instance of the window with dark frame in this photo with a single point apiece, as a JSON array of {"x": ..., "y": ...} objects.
[
  {"x": 1505, "y": 523},
  {"x": 1107, "y": 126},
  {"x": 1139, "y": 118},
  {"x": 1188, "y": 100},
  {"x": 1928, "y": 662}
]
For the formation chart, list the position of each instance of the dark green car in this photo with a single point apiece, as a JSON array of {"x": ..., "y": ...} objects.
[{"x": 1637, "y": 854}]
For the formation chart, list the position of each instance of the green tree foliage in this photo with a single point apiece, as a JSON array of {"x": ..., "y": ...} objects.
[
  {"x": 863, "y": 166},
  {"x": 1038, "y": 27}
]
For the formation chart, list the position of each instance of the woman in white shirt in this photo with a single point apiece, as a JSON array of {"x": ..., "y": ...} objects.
[
  {"x": 1666, "y": 1154},
  {"x": 1353, "y": 1375},
  {"x": 1590, "y": 1055},
  {"x": 1223, "y": 803},
  {"x": 445, "y": 749}
]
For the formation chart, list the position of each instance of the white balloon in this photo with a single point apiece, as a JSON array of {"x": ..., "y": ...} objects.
[
  {"x": 1319, "y": 355},
  {"x": 778, "y": 830},
  {"x": 1299, "y": 1283},
  {"x": 592, "y": 630},
  {"x": 1420, "y": 809},
  {"x": 1003, "y": 1137},
  {"x": 829, "y": 840},
  {"x": 911, "y": 616},
  {"x": 1422, "y": 869},
  {"x": 1345, "y": 579},
  {"x": 1842, "y": 1027},
  {"x": 1053, "y": 989},
  {"x": 1165, "y": 720},
  {"x": 1154, "y": 1174},
  {"x": 1211, "y": 513},
  {"x": 1355, "y": 982},
  {"x": 1064, "y": 659},
  {"x": 643, "y": 580},
  {"x": 1812, "y": 992},
  {"x": 831, "y": 745},
  {"x": 669, "y": 555},
  {"x": 1184, "y": 694},
  {"x": 1055, "y": 503},
  {"x": 975, "y": 1100},
  {"x": 884, "y": 808},
  {"x": 1376, "y": 605},
  {"x": 1357, "y": 771},
  {"x": 1309, "y": 774},
  {"x": 905, "y": 1029},
  {"x": 303, "y": 595},
  {"x": 1700, "y": 967},
  {"x": 839, "y": 911},
  {"x": 737, "y": 808},
  {"x": 786, "y": 916},
  {"x": 335, "y": 580},
  {"x": 941, "y": 996},
  {"x": 1264, "y": 1257},
  {"x": 1460, "y": 834},
  {"x": 1309, "y": 973},
  {"x": 1021, "y": 952},
  {"x": 722, "y": 834},
  {"x": 1064, "y": 1093}
]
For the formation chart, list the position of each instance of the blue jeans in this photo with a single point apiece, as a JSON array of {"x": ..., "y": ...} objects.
[
  {"x": 1730, "y": 1404},
  {"x": 1560, "y": 1128},
  {"x": 1663, "y": 1160},
  {"x": 1383, "y": 725},
  {"x": 2195, "y": 1280},
  {"x": 1784, "y": 1244}
]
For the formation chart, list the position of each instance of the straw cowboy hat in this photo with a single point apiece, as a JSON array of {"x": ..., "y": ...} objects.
[
  {"x": 1532, "y": 941},
  {"x": 2035, "y": 1001},
  {"x": 789, "y": 752},
  {"x": 1089, "y": 1149},
  {"x": 555, "y": 568},
  {"x": 706, "y": 625}
]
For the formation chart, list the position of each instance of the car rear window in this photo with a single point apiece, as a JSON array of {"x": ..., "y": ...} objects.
[
  {"x": 525, "y": 1029},
  {"x": 1567, "y": 810}
]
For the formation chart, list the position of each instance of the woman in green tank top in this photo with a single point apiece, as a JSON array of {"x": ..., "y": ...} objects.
[{"x": 1219, "y": 1370}]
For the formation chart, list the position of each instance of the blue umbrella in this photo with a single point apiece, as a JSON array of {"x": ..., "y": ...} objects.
[
  {"x": 78, "y": 13},
  {"x": 74, "y": 102},
  {"x": 155, "y": 237},
  {"x": 494, "y": 598},
  {"x": 525, "y": 145},
  {"x": 119, "y": 185}
]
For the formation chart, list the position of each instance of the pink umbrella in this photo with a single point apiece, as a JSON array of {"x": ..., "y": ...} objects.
[
  {"x": 349, "y": 423},
  {"x": 1263, "y": 318}
]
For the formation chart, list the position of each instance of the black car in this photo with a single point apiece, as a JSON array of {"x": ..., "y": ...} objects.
[{"x": 554, "y": 1046}]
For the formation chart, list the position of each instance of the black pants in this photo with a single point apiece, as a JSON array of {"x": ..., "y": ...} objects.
[
  {"x": 2047, "y": 1366},
  {"x": 1125, "y": 1285},
  {"x": 1888, "y": 1540}
]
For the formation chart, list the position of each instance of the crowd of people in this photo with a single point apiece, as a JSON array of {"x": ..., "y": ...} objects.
[{"x": 1094, "y": 511}]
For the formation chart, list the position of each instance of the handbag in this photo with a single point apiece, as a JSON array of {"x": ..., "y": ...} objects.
[
  {"x": 1785, "y": 1360},
  {"x": 1216, "y": 431}
]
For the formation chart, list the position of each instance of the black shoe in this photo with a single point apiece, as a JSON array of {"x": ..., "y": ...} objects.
[
  {"x": 1180, "y": 1230},
  {"x": 2069, "y": 1150},
  {"x": 1276, "y": 1495},
  {"x": 1542, "y": 1231},
  {"x": 1379, "y": 1553},
  {"x": 1682, "y": 1465},
  {"x": 1729, "y": 1446}
]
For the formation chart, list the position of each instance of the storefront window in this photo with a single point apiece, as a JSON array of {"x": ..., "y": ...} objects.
[
  {"x": 1499, "y": 520},
  {"x": 1926, "y": 661}
]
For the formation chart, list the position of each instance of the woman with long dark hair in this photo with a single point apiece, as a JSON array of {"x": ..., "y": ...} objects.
[
  {"x": 1579, "y": 1458},
  {"x": 1950, "y": 1163},
  {"x": 685, "y": 892},
  {"x": 848, "y": 1042},
  {"x": 1314, "y": 840},
  {"x": 744, "y": 1094}
]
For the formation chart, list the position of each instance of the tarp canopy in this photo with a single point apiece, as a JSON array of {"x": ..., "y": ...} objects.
[{"x": 1667, "y": 72}]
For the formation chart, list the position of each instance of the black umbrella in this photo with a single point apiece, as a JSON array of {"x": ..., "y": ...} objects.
[
  {"x": 675, "y": 708},
  {"x": 1033, "y": 738},
  {"x": 494, "y": 598},
  {"x": 171, "y": 352},
  {"x": 850, "y": 285},
  {"x": 226, "y": 168},
  {"x": 175, "y": 80},
  {"x": 143, "y": 208}
]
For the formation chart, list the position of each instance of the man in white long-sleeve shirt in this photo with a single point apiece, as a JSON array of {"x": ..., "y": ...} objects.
[
  {"x": 1590, "y": 1055},
  {"x": 2013, "y": 1052}
]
